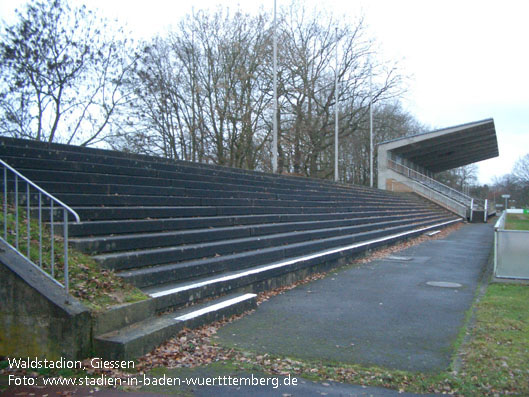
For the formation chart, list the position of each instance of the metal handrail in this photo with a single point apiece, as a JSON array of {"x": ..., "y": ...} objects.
[
  {"x": 454, "y": 206},
  {"x": 500, "y": 223},
  {"x": 418, "y": 176},
  {"x": 52, "y": 199}
]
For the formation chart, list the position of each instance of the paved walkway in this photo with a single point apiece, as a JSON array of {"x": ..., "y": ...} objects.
[{"x": 382, "y": 313}]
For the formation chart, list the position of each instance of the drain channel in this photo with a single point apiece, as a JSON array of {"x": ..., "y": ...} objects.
[
  {"x": 444, "y": 284},
  {"x": 398, "y": 258}
]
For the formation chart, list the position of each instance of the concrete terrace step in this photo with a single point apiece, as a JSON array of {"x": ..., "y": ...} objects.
[
  {"x": 162, "y": 201},
  {"x": 281, "y": 241},
  {"x": 38, "y": 150},
  {"x": 187, "y": 172},
  {"x": 207, "y": 192},
  {"x": 202, "y": 193},
  {"x": 141, "y": 337},
  {"x": 46, "y": 176},
  {"x": 136, "y": 332},
  {"x": 120, "y": 193},
  {"x": 124, "y": 241},
  {"x": 115, "y": 189},
  {"x": 146, "y": 162},
  {"x": 137, "y": 241},
  {"x": 110, "y": 158},
  {"x": 117, "y": 227},
  {"x": 150, "y": 276},
  {"x": 131, "y": 212}
]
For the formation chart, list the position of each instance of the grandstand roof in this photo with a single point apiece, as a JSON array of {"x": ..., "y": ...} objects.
[{"x": 448, "y": 148}]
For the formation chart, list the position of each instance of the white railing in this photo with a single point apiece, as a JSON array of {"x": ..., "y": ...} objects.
[
  {"x": 474, "y": 204},
  {"x": 22, "y": 197},
  {"x": 431, "y": 183},
  {"x": 511, "y": 249},
  {"x": 441, "y": 199}
]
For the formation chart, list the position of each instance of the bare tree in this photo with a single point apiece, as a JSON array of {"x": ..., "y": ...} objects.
[
  {"x": 59, "y": 74},
  {"x": 309, "y": 43},
  {"x": 510, "y": 184},
  {"x": 204, "y": 93},
  {"x": 460, "y": 178},
  {"x": 521, "y": 170},
  {"x": 390, "y": 122},
  {"x": 200, "y": 92}
]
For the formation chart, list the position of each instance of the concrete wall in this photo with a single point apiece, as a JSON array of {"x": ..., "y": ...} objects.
[
  {"x": 385, "y": 174},
  {"x": 395, "y": 186},
  {"x": 388, "y": 179},
  {"x": 37, "y": 317},
  {"x": 382, "y": 167}
]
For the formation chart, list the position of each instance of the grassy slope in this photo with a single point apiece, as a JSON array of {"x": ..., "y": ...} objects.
[{"x": 96, "y": 288}]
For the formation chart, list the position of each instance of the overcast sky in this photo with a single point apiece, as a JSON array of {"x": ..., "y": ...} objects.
[{"x": 468, "y": 60}]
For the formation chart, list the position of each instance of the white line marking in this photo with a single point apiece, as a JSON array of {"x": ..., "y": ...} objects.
[
  {"x": 291, "y": 261},
  {"x": 215, "y": 307}
]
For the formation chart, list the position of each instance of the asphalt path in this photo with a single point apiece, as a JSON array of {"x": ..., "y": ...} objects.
[{"x": 382, "y": 313}]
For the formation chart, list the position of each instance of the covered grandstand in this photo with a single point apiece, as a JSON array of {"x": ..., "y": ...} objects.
[{"x": 411, "y": 163}]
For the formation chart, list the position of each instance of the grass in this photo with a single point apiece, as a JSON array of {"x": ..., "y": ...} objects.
[
  {"x": 96, "y": 288},
  {"x": 517, "y": 222},
  {"x": 496, "y": 360}
]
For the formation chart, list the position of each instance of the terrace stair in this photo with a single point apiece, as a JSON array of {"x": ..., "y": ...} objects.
[{"x": 201, "y": 239}]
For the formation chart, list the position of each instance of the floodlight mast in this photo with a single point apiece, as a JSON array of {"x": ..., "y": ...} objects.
[
  {"x": 274, "y": 139},
  {"x": 370, "y": 124},
  {"x": 336, "y": 111}
]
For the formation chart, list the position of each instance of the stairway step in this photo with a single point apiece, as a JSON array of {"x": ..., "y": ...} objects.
[{"x": 140, "y": 338}]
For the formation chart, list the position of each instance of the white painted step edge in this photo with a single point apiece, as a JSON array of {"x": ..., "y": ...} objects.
[{"x": 215, "y": 307}]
